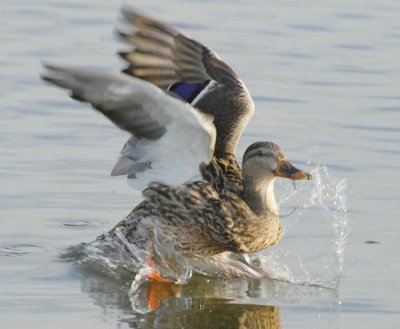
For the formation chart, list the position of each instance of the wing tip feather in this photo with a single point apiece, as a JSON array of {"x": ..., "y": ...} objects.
[{"x": 121, "y": 167}]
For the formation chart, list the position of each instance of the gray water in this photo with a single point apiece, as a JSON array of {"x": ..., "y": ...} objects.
[{"x": 325, "y": 79}]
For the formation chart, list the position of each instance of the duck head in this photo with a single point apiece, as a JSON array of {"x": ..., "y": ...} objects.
[
  {"x": 265, "y": 160},
  {"x": 262, "y": 163}
]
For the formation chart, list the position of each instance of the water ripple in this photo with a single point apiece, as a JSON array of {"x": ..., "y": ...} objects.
[{"x": 14, "y": 250}]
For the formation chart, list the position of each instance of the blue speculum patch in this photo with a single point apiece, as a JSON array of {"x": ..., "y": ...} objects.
[{"x": 188, "y": 91}]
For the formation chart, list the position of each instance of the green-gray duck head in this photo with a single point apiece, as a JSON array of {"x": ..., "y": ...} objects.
[{"x": 264, "y": 161}]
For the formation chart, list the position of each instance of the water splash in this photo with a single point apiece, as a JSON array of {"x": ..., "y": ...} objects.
[
  {"x": 331, "y": 198},
  {"x": 312, "y": 249},
  {"x": 111, "y": 255}
]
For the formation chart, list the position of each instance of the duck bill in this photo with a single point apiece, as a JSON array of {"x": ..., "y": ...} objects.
[{"x": 286, "y": 169}]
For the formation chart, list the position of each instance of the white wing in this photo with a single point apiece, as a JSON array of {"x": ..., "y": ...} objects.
[{"x": 169, "y": 137}]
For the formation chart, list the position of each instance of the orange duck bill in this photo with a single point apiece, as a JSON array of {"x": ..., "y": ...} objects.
[{"x": 286, "y": 169}]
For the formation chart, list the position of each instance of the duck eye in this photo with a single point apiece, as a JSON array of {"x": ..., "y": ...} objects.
[{"x": 261, "y": 153}]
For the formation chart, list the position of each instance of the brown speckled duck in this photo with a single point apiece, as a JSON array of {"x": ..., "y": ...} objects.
[
  {"x": 204, "y": 218},
  {"x": 185, "y": 108}
]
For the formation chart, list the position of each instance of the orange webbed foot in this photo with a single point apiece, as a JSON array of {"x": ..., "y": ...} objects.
[
  {"x": 154, "y": 275},
  {"x": 158, "y": 291},
  {"x": 159, "y": 288}
]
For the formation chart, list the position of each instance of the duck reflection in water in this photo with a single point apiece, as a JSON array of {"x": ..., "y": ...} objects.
[{"x": 197, "y": 305}]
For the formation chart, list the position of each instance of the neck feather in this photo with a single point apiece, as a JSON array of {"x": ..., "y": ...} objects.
[{"x": 260, "y": 196}]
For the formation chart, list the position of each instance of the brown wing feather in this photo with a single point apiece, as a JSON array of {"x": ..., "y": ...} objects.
[{"x": 164, "y": 55}]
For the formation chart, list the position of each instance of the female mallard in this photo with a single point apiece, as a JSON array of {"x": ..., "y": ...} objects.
[
  {"x": 203, "y": 216},
  {"x": 191, "y": 110}
]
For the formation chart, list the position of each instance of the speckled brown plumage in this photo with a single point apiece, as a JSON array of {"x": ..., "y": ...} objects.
[
  {"x": 201, "y": 222},
  {"x": 213, "y": 215}
]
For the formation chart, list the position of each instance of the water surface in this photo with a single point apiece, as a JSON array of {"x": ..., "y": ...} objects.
[{"x": 325, "y": 79}]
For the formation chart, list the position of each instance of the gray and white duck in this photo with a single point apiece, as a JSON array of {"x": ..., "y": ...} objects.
[{"x": 185, "y": 110}]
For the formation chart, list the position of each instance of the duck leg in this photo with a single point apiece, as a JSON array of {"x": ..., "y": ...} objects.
[
  {"x": 154, "y": 275},
  {"x": 159, "y": 287},
  {"x": 157, "y": 291}
]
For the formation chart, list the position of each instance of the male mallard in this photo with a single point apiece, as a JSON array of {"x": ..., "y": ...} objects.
[{"x": 191, "y": 111}]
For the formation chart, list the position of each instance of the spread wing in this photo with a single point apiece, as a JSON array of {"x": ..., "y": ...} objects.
[
  {"x": 175, "y": 62},
  {"x": 169, "y": 137},
  {"x": 163, "y": 55}
]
